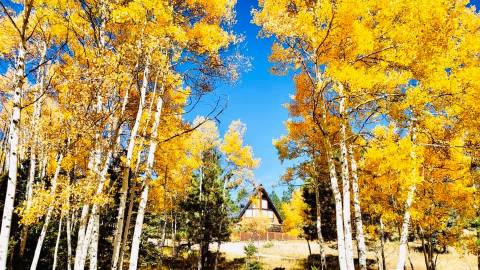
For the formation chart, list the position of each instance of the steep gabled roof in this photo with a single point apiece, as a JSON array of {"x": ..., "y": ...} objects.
[{"x": 270, "y": 203}]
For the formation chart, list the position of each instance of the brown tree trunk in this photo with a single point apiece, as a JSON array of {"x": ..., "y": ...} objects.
[{"x": 126, "y": 231}]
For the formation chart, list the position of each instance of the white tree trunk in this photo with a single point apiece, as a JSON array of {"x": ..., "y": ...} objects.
[
  {"x": 347, "y": 224},
  {"x": 93, "y": 251},
  {"x": 323, "y": 260},
  {"x": 137, "y": 232},
  {"x": 69, "y": 242},
  {"x": 57, "y": 243},
  {"x": 44, "y": 167},
  {"x": 84, "y": 244},
  {"x": 144, "y": 197},
  {"x": 81, "y": 230},
  {"x": 37, "y": 106},
  {"x": 338, "y": 208},
  {"x": 403, "y": 249},
  {"x": 124, "y": 189},
  {"x": 362, "y": 249},
  {"x": 48, "y": 216},
  {"x": 12, "y": 157},
  {"x": 144, "y": 130}
]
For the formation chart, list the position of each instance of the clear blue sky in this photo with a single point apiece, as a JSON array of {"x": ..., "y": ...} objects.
[{"x": 257, "y": 99}]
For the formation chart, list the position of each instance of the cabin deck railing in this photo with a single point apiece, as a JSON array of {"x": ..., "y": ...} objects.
[{"x": 265, "y": 236}]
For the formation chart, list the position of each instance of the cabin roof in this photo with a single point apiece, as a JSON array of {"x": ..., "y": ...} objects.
[{"x": 260, "y": 188}]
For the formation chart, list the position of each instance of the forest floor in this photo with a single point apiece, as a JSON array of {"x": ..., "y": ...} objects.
[{"x": 294, "y": 254}]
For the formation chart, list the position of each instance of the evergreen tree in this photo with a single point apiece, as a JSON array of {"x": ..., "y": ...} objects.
[
  {"x": 277, "y": 202},
  {"x": 205, "y": 209}
]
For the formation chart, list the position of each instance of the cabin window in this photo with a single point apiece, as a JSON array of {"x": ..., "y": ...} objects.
[
  {"x": 249, "y": 213},
  {"x": 264, "y": 204}
]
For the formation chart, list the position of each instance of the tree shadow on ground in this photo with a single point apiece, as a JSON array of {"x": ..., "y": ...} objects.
[{"x": 332, "y": 263}]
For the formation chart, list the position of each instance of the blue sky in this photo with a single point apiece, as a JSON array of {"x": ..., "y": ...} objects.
[{"x": 257, "y": 99}]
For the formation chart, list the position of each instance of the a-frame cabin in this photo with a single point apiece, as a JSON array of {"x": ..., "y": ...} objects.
[{"x": 259, "y": 204}]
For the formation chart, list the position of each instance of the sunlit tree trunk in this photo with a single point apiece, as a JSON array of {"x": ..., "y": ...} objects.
[
  {"x": 57, "y": 243},
  {"x": 347, "y": 224},
  {"x": 403, "y": 249},
  {"x": 4, "y": 148},
  {"x": 43, "y": 172},
  {"x": 321, "y": 122},
  {"x": 37, "y": 106},
  {"x": 323, "y": 260},
  {"x": 12, "y": 156},
  {"x": 81, "y": 230},
  {"x": 137, "y": 232},
  {"x": 84, "y": 244},
  {"x": 362, "y": 249},
  {"x": 69, "y": 242},
  {"x": 126, "y": 170},
  {"x": 93, "y": 250},
  {"x": 144, "y": 197},
  {"x": 338, "y": 208},
  {"x": 48, "y": 216}
]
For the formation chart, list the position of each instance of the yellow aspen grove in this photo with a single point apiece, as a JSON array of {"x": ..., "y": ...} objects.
[
  {"x": 358, "y": 51},
  {"x": 14, "y": 128},
  {"x": 124, "y": 143}
]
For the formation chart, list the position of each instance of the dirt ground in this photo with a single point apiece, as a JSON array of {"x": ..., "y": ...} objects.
[{"x": 293, "y": 255}]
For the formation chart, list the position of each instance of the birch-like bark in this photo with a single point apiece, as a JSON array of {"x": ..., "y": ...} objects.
[
  {"x": 338, "y": 207},
  {"x": 57, "y": 243},
  {"x": 144, "y": 129},
  {"x": 126, "y": 231},
  {"x": 4, "y": 148},
  {"x": 93, "y": 249},
  {"x": 126, "y": 172},
  {"x": 347, "y": 224},
  {"x": 403, "y": 249},
  {"x": 37, "y": 106},
  {"x": 83, "y": 246},
  {"x": 128, "y": 220},
  {"x": 323, "y": 260},
  {"x": 144, "y": 197},
  {"x": 69, "y": 242},
  {"x": 44, "y": 166},
  {"x": 81, "y": 229},
  {"x": 48, "y": 216},
  {"x": 137, "y": 232},
  {"x": 362, "y": 249},
  {"x": 322, "y": 123},
  {"x": 12, "y": 156}
]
